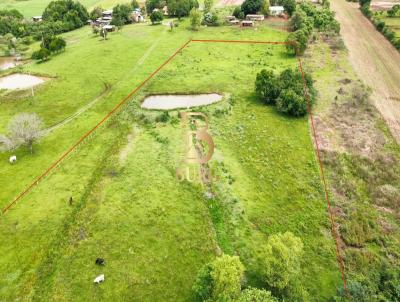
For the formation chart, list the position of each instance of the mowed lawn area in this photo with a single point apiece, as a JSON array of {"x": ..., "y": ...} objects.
[
  {"x": 30, "y": 8},
  {"x": 128, "y": 207}
]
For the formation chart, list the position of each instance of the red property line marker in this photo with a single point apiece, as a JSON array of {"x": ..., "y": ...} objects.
[
  {"x": 317, "y": 149},
  {"x": 321, "y": 167}
]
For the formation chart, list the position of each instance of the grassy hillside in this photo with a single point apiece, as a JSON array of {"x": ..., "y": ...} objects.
[{"x": 128, "y": 208}]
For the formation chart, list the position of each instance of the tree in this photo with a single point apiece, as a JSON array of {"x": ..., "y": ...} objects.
[
  {"x": 208, "y": 4},
  {"x": 181, "y": 8},
  {"x": 394, "y": 11},
  {"x": 57, "y": 44},
  {"x": 290, "y": 6},
  {"x": 220, "y": 280},
  {"x": 265, "y": 8},
  {"x": 156, "y": 17},
  {"x": 6, "y": 144},
  {"x": 121, "y": 14},
  {"x": 71, "y": 14},
  {"x": 281, "y": 257},
  {"x": 291, "y": 103},
  {"x": 152, "y": 4},
  {"x": 251, "y": 6},
  {"x": 267, "y": 86},
  {"x": 237, "y": 12},
  {"x": 96, "y": 13},
  {"x": 24, "y": 129},
  {"x": 256, "y": 295},
  {"x": 297, "y": 21},
  {"x": 195, "y": 19},
  {"x": 297, "y": 42},
  {"x": 42, "y": 55}
]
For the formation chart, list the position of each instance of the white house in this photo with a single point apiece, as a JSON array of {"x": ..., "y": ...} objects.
[{"x": 276, "y": 10}]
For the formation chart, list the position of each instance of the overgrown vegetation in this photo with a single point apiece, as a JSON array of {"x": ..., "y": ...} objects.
[{"x": 286, "y": 91}]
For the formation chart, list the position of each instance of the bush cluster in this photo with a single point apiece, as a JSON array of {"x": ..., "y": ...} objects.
[
  {"x": 381, "y": 25},
  {"x": 49, "y": 45},
  {"x": 223, "y": 279},
  {"x": 286, "y": 90}
]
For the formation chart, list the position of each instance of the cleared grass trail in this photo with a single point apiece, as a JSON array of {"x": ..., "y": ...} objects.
[{"x": 374, "y": 59}]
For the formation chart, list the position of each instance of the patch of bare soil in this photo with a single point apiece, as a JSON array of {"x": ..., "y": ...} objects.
[
  {"x": 374, "y": 59},
  {"x": 351, "y": 125}
]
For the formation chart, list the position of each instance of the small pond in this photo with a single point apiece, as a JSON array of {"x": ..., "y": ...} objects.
[
  {"x": 169, "y": 102},
  {"x": 7, "y": 62},
  {"x": 20, "y": 81}
]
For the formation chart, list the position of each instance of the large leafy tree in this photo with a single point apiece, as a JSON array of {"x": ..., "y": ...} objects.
[
  {"x": 251, "y": 6},
  {"x": 220, "y": 280},
  {"x": 121, "y": 14},
  {"x": 181, "y": 8},
  {"x": 281, "y": 260},
  {"x": 267, "y": 86},
  {"x": 72, "y": 14}
]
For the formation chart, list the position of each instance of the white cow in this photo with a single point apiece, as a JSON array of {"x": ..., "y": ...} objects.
[
  {"x": 99, "y": 279},
  {"x": 13, "y": 159}
]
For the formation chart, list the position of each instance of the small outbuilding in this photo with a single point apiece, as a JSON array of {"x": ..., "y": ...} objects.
[
  {"x": 255, "y": 17},
  {"x": 230, "y": 18},
  {"x": 234, "y": 22},
  {"x": 37, "y": 19},
  {"x": 276, "y": 10},
  {"x": 247, "y": 23},
  {"x": 107, "y": 13}
]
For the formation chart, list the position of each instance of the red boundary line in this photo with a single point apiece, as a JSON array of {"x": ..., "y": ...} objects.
[{"x": 123, "y": 101}]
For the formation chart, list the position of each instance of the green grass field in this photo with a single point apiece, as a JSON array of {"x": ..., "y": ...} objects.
[
  {"x": 30, "y": 8},
  {"x": 155, "y": 232}
]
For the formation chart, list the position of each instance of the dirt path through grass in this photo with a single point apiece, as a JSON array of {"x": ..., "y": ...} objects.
[{"x": 375, "y": 60}]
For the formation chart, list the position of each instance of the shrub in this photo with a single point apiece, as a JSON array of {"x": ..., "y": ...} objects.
[
  {"x": 267, "y": 86},
  {"x": 156, "y": 17},
  {"x": 256, "y": 295},
  {"x": 237, "y": 12},
  {"x": 291, "y": 103},
  {"x": 281, "y": 259},
  {"x": 297, "y": 42},
  {"x": 211, "y": 19},
  {"x": 42, "y": 55},
  {"x": 220, "y": 280},
  {"x": 195, "y": 19}
]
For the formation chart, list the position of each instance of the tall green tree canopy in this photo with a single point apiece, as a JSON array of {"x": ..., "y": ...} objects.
[
  {"x": 71, "y": 13},
  {"x": 220, "y": 280}
]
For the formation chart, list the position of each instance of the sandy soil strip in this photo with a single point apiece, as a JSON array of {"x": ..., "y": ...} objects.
[{"x": 374, "y": 59}]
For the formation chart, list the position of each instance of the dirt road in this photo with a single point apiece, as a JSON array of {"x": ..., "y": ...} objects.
[{"x": 374, "y": 59}]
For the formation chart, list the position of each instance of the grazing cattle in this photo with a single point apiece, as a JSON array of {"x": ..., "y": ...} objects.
[
  {"x": 100, "y": 261},
  {"x": 13, "y": 159},
  {"x": 99, "y": 279}
]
